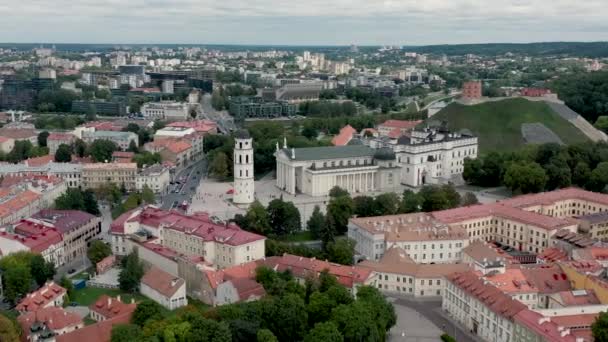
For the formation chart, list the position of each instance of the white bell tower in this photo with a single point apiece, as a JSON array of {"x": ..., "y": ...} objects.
[{"x": 244, "y": 188}]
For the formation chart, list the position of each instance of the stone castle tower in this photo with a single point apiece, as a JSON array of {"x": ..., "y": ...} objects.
[{"x": 244, "y": 188}]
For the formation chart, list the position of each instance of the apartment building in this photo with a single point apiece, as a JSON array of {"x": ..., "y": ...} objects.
[
  {"x": 424, "y": 238},
  {"x": 69, "y": 172},
  {"x": 156, "y": 177},
  {"x": 77, "y": 229},
  {"x": 220, "y": 244},
  {"x": 121, "y": 139},
  {"x": 96, "y": 175},
  {"x": 397, "y": 273},
  {"x": 56, "y": 139}
]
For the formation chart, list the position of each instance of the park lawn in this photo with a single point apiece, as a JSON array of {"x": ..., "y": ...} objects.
[
  {"x": 302, "y": 236},
  {"x": 498, "y": 124},
  {"x": 89, "y": 295}
]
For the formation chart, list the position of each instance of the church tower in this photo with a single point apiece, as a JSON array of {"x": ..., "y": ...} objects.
[{"x": 243, "y": 169}]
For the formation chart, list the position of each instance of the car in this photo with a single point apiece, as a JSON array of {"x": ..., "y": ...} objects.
[
  {"x": 73, "y": 304},
  {"x": 72, "y": 270},
  {"x": 174, "y": 204}
]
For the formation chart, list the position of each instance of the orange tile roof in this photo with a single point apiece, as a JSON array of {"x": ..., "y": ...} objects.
[
  {"x": 39, "y": 161},
  {"x": 41, "y": 297},
  {"x": 98, "y": 332},
  {"x": 542, "y": 326},
  {"x": 53, "y": 317},
  {"x": 162, "y": 282},
  {"x": 512, "y": 281},
  {"x": 345, "y": 135},
  {"x": 551, "y": 197},
  {"x": 109, "y": 307},
  {"x": 18, "y": 202},
  {"x": 401, "y": 124},
  {"x": 178, "y": 146}
]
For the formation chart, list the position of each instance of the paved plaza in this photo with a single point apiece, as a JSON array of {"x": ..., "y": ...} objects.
[
  {"x": 213, "y": 197},
  {"x": 413, "y": 327}
]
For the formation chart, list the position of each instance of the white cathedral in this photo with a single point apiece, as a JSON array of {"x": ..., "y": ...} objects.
[
  {"x": 244, "y": 186},
  {"x": 428, "y": 156}
]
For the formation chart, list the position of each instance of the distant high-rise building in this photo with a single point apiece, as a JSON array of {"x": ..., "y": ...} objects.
[{"x": 167, "y": 86}]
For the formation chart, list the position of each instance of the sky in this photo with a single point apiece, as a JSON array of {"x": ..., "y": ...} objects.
[{"x": 297, "y": 22}]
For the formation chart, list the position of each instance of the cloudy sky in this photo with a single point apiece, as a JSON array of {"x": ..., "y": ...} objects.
[{"x": 298, "y": 22}]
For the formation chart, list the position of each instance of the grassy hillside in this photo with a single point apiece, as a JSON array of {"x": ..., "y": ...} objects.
[{"x": 498, "y": 124}]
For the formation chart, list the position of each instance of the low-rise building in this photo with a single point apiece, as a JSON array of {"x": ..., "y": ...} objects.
[
  {"x": 177, "y": 152},
  {"x": 6, "y": 144},
  {"x": 221, "y": 244},
  {"x": 97, "y": 175},
  {"x": 166, "y": 110},
  {"x": 47, "y": 242},
  {"x": 397, "y": 273},
  {"x": 56, "y": 139},
  {"x": 71, "y": 173},
  {"x": 107, "y": 308},
  {"x": 164, "y": 288},
  {"x": 20, "y": 134},
  {"x": 200, "y": 126},
  {"x": 156, "y": 177},
  {"x": 424, "y": 238},
  {"x": 401, "y": 127},
  {"x": 121, "y": 139},
  {"x": 47, "y": 296},
  {"x": 44, "y": 324}
]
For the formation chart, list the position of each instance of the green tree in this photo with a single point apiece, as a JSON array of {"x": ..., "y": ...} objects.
[
  {"x": 206, "y": 330},
  {"x": 147, "y": 159},
  {"x": 146, "y": 310},
  {"x": 80, "y": 148},
  {"x": 411, "y": 202},
  {"x": 147, "y": 195},
  {"x": 329, "y": 232},
  {"x": 364, "y": 206},
  {"x": 599, "y": 178},
  {"x": 76, "y": 199},
  {"x": 257, "y": 218},
  {"x": 356, "y": 322},
  {"x": 310, "y": 132},
  {"x": 386, "y": 204},
  {"x": 41, "y": 270},
  {"x": 23, "y": 149},
  {"x": 599, "y": 328},
  {"x": 602, "y": 123},
  {"x": 341, "y": 209},
  {"x": 98, "y": 250},
  {"x": 219, "y": 166},
  {"x": 558, "y": 174},
  {"x": 265, "y": 335},
  {"x": 126, "y": 333},
  {"x": 131, "y": 127},
  {"x": 525, "y": 177},
  {"x": 91, "y": 114},
  {"x": 290, "y": 318},
  {"x": 101, "y": 150},
  {"x": 131, "y": 272},
  {"x": 63, "y": 154},
  {"x": 67, "y": 285},
  {"x": 341, "y": 251},
  {"x": 469, "y": 198},
  {"x": 581, "y": 174},
  {"x": 383, "y": 312},
  {"x": 284, "y": 217},
  {"x": 315, "y": 222},
  {"x": 90, "y": 203},
  {"x": 42, "y": 138},
  {"x": 433, "y": 198},
  {"x": 8, "y": 330},
  {"x": 17, "y": 281},
  {"x": 337, "y": 191},
  {"x": 324, "y": 332},
  {"x": 133, "y": 147}
]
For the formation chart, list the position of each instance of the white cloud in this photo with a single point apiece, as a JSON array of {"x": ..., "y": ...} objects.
[{"x": 302, "y": 22}]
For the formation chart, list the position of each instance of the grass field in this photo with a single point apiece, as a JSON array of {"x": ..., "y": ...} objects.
[
  {"x": 498, "y": 124},
  {"x": 89, "y": 295}
]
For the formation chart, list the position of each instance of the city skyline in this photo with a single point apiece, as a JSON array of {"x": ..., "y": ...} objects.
[{"x": 277, "y": 23}]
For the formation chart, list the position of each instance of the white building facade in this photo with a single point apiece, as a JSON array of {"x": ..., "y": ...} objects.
[{"x": 166, "y": 110}]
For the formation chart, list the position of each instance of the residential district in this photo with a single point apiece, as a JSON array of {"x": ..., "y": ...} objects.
[{"x": 323, "y": 194}]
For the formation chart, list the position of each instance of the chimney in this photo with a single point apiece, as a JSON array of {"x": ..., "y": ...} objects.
[
  {"x": 293, "y": 153},
  {"x": 109, "y": 301},
  {"x": 118, "y": 297},
  {"x": 284, "y": 142}
]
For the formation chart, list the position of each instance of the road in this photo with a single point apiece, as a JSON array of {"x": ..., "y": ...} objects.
[
  {"x": 193, "y": 175},
  {"x": 225, "y": 122},
  {"x": 431, "y": 309}
]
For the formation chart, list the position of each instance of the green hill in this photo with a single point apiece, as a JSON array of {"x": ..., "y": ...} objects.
[{"x": 498, "y": 124}]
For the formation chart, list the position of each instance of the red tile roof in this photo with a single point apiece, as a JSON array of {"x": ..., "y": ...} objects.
[
  {"x": 345, "y": 135},
  {"x": 61, "y": 136},
  {"x": 53, "y": 317},
  {"x": 162, "y": 282},
  {"x": 552, "y": 254},
  {"x": 489, "y": 295},
  {"x": 551, "y": 197},
  {"x": 542, "y": 326},
  {"x": 41, "y": 297},
  {"x": 578, "y": 298},
  {"x": 547, "y": 278},
  {"x": 401, "y": 124},
  {"x": 39, "y": 161},
  {"x": 109, "y": 307},
  {"x": 248, "y": 288},
  {"x": 178, "y": 146},
  {"x": 302, "y": 267},
  {"x": 246, "y": 270},
  {"x": 395, "y": 133},
  {"x": 98, "y": 332},
  {"x": 121, "y": 154}
]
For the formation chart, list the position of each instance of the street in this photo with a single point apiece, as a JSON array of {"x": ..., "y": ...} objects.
[
  {"x": 225, "y": 122},
  {"x": 193, "y": 175}
]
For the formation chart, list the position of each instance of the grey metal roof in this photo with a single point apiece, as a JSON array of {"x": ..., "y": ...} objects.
[{"x": 330, "y": 152}]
